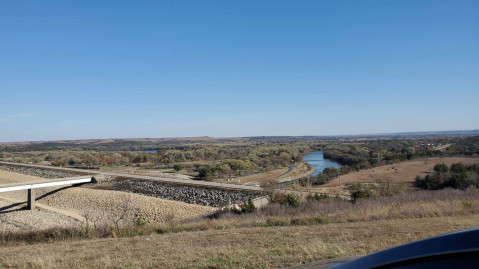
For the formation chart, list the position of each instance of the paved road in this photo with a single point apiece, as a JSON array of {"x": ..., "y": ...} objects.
[
  {"x": 189, "y": 182},
  {"x": 290, "y": 167}
]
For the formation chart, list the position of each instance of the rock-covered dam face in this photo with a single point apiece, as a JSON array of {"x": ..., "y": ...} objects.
[
  {"x": 214, "y": 197},
  {"x": 188, "y": 194},
  {"x": 36, "y": 172}
]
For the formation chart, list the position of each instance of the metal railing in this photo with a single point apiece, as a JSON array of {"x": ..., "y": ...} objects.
[{"x": 43, "y": 184}]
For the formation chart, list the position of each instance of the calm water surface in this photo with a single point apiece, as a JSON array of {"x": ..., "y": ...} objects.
[{"x": 317, "y": 160}]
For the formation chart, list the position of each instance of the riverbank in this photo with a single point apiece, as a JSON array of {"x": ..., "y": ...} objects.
[{"x": 316, "y": 159}]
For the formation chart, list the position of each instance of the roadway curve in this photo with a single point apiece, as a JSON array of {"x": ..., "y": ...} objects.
[{"x": 188, "y": 182}]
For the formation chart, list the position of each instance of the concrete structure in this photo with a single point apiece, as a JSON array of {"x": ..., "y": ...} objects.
[{"x": 43, "y": 184}]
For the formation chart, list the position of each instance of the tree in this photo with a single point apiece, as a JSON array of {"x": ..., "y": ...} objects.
[
  {"x": 458, "y": 168},
  {"x": 441, "y": 167},
  {"x": 205, "y": 172}
]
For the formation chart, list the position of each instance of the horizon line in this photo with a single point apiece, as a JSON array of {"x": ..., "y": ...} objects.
[{"x": 253, "y": 136}]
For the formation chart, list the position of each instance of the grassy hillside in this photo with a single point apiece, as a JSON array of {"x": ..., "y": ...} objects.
[{"x": 275, "y": 236}]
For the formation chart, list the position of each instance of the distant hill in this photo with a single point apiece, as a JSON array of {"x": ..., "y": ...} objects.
[{"x": 144, "y": 142}]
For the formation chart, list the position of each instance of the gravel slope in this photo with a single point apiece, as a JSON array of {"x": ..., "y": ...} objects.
[
  {"x": 101, "y": 206},
  {"x": 7, "y": 177}
]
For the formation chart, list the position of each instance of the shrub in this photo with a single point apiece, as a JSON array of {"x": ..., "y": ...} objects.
[
  {"x": 140, "y": 222},
  {"x": 441, "y": 167},
  {"x": 249, "y": 206},
  {"x": 460, "y": 177},
  {"x": 467, "y": 204},
  {"x": 289, "y": 199},
  {"x": 205, "y": 172},
  {"x": 458, "y": 168},
  {"x": 292, "y": 200},
  {"x": 360, "y": 191},
  {"x": 177, "y": 167}
]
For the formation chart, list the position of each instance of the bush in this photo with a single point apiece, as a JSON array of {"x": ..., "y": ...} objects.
[
  {"x": 467, "y": 204},
  {"x": 140, "y": 222},
  {"x": 177, "y": 167},
  {"x": 459, "y": 177},
  {"x": 292, "y": 200},
  {"x": 458, "y": 168},
  {"x": 285, "y": 199},
  {"x": 360, "y": 191},
  {"x": 205, "y": 172},
  {"x": 441, "y": 167},
  {"x": 247, "y": 207}
]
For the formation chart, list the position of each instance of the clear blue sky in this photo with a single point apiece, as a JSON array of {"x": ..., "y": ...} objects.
[{"x": 98, "y": 69}]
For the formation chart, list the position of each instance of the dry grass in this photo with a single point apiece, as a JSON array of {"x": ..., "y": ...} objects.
[
  {"x": 409, "y": 205},
  {"x": 269, "y": 247},
  {"x": 276, "y": 236},
  {"x": 399, "y": 172}
]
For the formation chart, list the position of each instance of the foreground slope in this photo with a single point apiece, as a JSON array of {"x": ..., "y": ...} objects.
[{"x": 260, "y": 247}]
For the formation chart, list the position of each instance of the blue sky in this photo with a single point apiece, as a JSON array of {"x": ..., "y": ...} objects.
[{"x": 100, "y": 69}]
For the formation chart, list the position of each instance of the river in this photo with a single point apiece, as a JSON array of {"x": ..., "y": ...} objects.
[{"x": 317, "y": 160}]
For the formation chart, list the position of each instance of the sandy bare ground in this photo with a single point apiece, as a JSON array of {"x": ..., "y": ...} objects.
[
  {"x": 10, "y": 177},
  {"x": 65, "y": 205},
  {"x": 399, "y": 172},
  {"x": 12, "y": 219}
]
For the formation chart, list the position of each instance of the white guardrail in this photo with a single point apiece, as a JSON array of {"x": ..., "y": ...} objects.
[
  {"x": 70, "y": 181},
  {"x": 36, "y": 185}
]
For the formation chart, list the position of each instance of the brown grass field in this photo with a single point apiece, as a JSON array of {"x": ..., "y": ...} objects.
[
  {"x": 269, "y": 247},
  {"x": 276, "y": 236},
  {"x": 399, "y": 172}
]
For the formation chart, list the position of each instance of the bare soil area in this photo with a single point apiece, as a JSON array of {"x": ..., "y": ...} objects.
[{"x": 7, "y": 177}]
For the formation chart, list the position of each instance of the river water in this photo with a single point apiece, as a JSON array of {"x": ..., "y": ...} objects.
[{"x": 317, "y": 160}]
